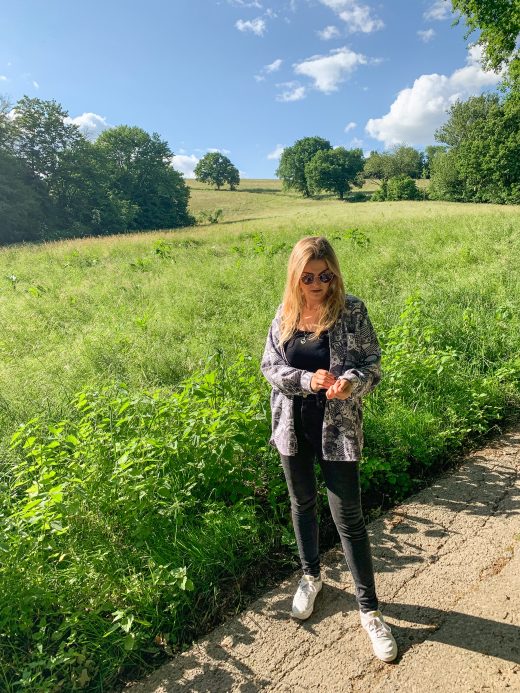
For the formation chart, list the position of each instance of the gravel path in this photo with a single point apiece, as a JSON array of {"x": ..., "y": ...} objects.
[{"x": 448, "y": 576}]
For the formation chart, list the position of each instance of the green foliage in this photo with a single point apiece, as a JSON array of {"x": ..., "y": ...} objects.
[
  {"x": 140, "y": 174},
  {"x": 117, "y": 513},
  {"x": 334, "y": 170},
  {"x": 498, "y": 22},
  {"x": 291, "y": 169},
  {"x": 6, "y": 124},
  {"x": 40, "y": 135},
  {"x": 445, "y": 179},
  {"x": 65, "y": 186},
  {"x": 430, "y": 152},
  {"x": 121, "y": 525},
  {"x": 260, "y": 246},
  {"x": 23, "y": 202},
  {"x": 397, "y": 188},
  {"x": 482, "y": 163},
  {"x": 217, "y": 169},
  {"x": 399, "y": 161},
  {"x": 357, "y": 237},
  {"x": 84, "y": 197},
  {"x": 124, "y": 522},
  {"x": 210, "y": 216}
]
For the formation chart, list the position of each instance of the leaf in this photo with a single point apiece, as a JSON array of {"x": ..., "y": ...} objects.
[
  {"x": 83, "y": 678},
  {"x": 129, "y": 642}
]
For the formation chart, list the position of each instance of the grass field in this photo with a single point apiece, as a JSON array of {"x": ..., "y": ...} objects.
[{"x": 139, "y": 494}]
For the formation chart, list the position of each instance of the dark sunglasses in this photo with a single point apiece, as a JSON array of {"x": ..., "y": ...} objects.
[{"x": 324, "y": 277}]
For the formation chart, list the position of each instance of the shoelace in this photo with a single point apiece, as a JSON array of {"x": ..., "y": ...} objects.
[
  {"x": 380, "y": 628},
  {"x": 305, "y": 586}
]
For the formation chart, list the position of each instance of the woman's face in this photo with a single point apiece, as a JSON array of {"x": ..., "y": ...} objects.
[{"x": 314, "y": 293}]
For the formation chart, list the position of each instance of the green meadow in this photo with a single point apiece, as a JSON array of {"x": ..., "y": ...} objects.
[{"x": 139, "y": 496}]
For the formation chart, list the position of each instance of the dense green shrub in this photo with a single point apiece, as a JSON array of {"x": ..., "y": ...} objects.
[{"x": 398, "y": 188}]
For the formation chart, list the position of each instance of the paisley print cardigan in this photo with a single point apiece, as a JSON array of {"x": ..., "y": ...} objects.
[{"x": 354, "y": 355}]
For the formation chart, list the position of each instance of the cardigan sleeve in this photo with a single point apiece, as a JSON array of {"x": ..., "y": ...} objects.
[
  {"x": 367, "y": 373},
  {"x": 289, "y": 380}
]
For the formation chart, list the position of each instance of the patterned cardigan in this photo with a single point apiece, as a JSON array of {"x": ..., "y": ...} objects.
[{"x": 354, "y": 355}]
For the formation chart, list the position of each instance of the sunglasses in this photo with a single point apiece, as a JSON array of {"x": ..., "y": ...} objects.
[{"x": 324, "y": 277}]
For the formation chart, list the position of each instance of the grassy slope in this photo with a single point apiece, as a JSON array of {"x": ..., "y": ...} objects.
[
  {"x": 86, "y": 310},
  {"x": 150, "y": 490}
]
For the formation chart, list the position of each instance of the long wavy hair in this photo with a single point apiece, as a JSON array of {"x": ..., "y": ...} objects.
[{"x": 293, "y": 303}]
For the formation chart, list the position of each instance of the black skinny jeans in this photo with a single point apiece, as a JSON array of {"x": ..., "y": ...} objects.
[{"x": 343, "y": 491}]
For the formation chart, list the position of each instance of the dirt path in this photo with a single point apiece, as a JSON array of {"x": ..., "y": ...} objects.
[{"x": 448, "y": 576}]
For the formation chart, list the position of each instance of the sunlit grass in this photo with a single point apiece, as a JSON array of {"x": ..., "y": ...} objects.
[{"x": 117, "y": 502}]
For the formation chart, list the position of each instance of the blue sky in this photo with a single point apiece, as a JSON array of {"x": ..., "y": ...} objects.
[{"x": 246, "y": 77}]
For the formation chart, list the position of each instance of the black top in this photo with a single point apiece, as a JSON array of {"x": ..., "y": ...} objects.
[{"x": 309, "y": 355}]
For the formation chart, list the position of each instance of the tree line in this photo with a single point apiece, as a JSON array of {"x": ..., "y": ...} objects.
[
  {"x": 477, "y": 159},
  {"x": 55, "y": 183}
]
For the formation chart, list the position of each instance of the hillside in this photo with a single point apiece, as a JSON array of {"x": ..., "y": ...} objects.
[{"x": 140, "y": 498}]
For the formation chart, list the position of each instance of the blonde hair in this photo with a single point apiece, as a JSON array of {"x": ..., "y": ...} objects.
[{"x": 306, "y": 249}]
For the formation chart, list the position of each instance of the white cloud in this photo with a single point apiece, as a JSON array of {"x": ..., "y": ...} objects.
[
  {"x": 277, "y": 152},
  {"x": 274, "y": 66},
  {"x": 293, "y": 92},
  {"x": 246, "y": 3},
  {"x": 427, "y": 35},
  {"x": 356, "y": 143},
  {"x": 438, "y": 11},
  {"x": 358, "y": 17},
  {"x": 328, "y": 71},
  {"x": 328, "y": 33},
  {"x": 269, "y": 69},
  {"x": 350, "y": 126},
  {"x": 185, "y": 164},
  {"x": 257, "y": 26},
  {"x": 35, "y": 84},
  {"x": 419, "y": 110},
  {"x": 90, "y": 124},
  {"x": 218, "y": 149},
  {"x": 3, "y": 78}
]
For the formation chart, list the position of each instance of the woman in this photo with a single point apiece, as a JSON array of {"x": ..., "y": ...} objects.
[{"x": 321, "y": 357}]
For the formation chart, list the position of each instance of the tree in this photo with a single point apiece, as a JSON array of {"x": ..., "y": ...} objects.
[
  {"x": 24, "y": 202},
  {"x": 217, "y": 169},
  {"x": 464, "y": 115},
  {"x": 83, "y": 197},
  {"x": 430, "y": 152},
  {"x": 446, "y": 183},
  {"x": 6, "y": 124},
  {"x": 293, "y": 160},
  {"x": 142, "y": 178},
  {"x": 407, "y": 161},
  {"x": 499, "y": 25},
  {"x": 402, "y": 160},
  {"x": 40, "y": 136},
  {"x": 334, "y": 170},
  {"x": 374, "y": 166},
  {"x": 483, "y": 160}
]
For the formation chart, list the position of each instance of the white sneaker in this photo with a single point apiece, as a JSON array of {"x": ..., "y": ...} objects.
[
  {"x": 383, "y": 642},
  {"x": 303, "y": 602}
]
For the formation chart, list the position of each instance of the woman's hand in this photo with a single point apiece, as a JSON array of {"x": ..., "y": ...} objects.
[
  {"x": 341, "y": 389},
  {"x": 322, "y": 379}
]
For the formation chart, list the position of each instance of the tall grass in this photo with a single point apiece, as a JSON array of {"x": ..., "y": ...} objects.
[{"x": 139, "y": 494}]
